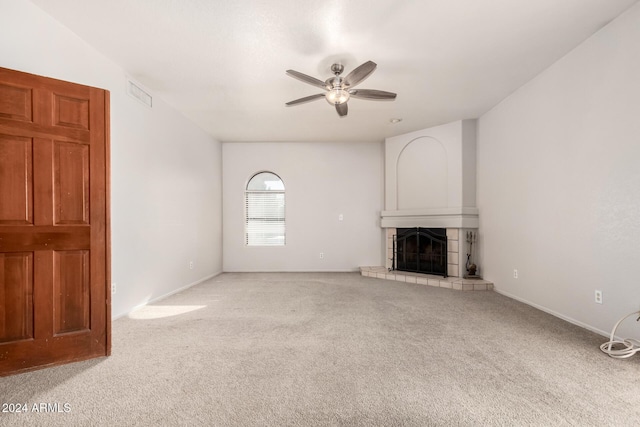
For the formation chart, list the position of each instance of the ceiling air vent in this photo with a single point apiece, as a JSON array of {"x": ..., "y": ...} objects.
[{"x": 138, "y": 93}]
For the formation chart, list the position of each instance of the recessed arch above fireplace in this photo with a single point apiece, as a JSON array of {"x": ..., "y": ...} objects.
[{"x": 422, "y": 177}]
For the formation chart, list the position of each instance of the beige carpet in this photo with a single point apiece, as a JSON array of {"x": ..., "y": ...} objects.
[{"x": 336, "y": 349}]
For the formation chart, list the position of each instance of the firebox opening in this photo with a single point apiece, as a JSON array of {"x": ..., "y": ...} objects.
[{"x": 421, "y": 250}]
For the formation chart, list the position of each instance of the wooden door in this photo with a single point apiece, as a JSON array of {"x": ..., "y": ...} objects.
[{"x": 54, "y": 222}]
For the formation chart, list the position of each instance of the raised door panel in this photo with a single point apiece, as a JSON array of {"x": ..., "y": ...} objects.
[
  {"x": 16, "y": 180},
  {"x": 16, "y": 103},
  {"x": 71, "y": 183},
  {"x": 70, "y": 112},
  {"x": 16, "y": 296},
  {"x": 71, "y": 291}
]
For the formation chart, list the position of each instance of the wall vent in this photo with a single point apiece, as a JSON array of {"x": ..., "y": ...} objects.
[{"x": 138, "y": 93}]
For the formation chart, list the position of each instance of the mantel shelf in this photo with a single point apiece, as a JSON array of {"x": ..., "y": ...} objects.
[{"x": 460, "y": 217}]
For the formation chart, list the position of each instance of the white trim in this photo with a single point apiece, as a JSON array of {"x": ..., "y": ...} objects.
[
  {"x": 554, "y": 313},
  {"x": 355, "y": 270}
]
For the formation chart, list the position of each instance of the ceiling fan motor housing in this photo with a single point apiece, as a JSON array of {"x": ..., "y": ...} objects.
[{"x": 337, "y": 69}]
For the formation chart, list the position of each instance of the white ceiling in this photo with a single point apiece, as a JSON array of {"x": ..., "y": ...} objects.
[{"x": 222, "y": 63}]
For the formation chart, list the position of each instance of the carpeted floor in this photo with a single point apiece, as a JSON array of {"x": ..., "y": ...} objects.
[{"x": 307, "y": 349}]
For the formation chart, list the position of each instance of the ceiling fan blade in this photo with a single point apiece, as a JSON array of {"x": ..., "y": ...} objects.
[
  {"x": 360, "y": 73},
  {"x": 307, "y": 79},
  {"x": 305, "y": 99},
  {"x": 342, "y": 109},
  {"x": 372, "y": 94}
]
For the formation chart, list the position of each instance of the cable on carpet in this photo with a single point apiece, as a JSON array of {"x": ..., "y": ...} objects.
[{"x": 623, "y": 348}]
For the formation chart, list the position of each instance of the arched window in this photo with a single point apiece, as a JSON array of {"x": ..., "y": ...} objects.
[{"x": 264, "y": 210}]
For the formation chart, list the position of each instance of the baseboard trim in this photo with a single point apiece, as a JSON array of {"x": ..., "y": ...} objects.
[
  {"x": 292, "y": 271},
  {"x": 554, "y": 313},
  {"x": 161, "y": 297}
]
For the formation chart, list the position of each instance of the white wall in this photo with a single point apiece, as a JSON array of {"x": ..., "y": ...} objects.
[
  {"x": 559, "y": 183},
  {"x": 165, "y": 172},
  {"x": 322, "y": 181}
]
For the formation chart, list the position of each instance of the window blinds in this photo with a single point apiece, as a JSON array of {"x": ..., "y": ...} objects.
[{"x": 264, "y": 224}]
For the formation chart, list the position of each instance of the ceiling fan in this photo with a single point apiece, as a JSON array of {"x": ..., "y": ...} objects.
[{"x": 338, "y": 89}]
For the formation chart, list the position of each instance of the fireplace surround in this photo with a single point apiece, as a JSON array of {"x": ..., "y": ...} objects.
[
  {"x": 454, "y": 249},
  {"x": 430, "y": 184}
]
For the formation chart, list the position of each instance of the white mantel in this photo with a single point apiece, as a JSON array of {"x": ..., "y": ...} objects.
[{"x": 463, "y": 217}]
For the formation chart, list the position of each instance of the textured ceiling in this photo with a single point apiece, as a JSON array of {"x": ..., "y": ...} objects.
[{"x": 222, "y": 63}]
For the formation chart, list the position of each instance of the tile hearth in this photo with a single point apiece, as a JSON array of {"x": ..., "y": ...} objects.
[{"x": 455, "y": 283}]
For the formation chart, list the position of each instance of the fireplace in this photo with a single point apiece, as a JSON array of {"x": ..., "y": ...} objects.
[{"x": 421, "y": 250}]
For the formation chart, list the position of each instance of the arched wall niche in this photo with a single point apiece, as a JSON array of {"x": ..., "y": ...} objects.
[{"x": 421, "y": 175}]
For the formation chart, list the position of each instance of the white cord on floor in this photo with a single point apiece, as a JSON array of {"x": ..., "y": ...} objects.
[{"x": 629, "y": 346}]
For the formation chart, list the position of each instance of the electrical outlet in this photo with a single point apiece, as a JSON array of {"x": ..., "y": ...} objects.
[
  {"x": 515, "y": 273},
  {"x": 340, "y": 217},
  {"x": 113, "y": 288},
  {"x": 321, "y": 255},
  {"x": 190, "y": 265},
  {"x": 598, "y": 297}
]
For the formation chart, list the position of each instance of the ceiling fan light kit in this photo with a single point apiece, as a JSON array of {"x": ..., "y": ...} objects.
[
  {"x": 338, "y": 90},
  {"x": 337, "y": 96}
]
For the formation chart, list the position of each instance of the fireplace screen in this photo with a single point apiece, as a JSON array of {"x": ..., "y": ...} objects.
[{"x": 421, "y": 250}]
